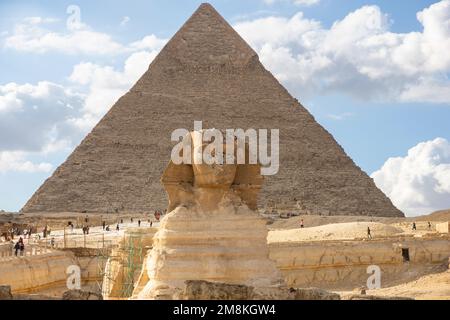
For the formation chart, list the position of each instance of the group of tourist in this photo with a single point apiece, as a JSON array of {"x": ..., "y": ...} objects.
[
  {"x": 16, "y": 231},
  {"x": 414, "y": 226}
]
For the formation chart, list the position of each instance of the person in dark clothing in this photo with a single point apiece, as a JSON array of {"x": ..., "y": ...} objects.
[
  {"x": 117, "y": 228},
  {"x": 19, "y": 246},
  {"x": 302, "y": 224},
  {"x": 414, "y": 227},
  {"x": 139, "y": 223},
  {"x": 16, "y": 248},
  {"x": 429, "y": 225},
  {"x": 369, "y": 233},
  {"x": 104, "y": 225}
]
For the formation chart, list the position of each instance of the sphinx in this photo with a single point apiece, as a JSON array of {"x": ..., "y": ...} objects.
[{"x": 212, "y": 231}]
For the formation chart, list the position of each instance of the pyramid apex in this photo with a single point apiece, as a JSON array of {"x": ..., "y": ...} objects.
[
  {"x": 207, "y": 39},
  {"x": 206, "y": 5}
]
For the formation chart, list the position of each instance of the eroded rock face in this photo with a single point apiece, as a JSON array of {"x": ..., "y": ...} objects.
[
  {"x": 369, "y": 297},
  {"x": 203, "y": 290},
  {"x": 5, "y": 293},
  {"x": 81, "y": 295},
  {"x": 211, "y": 233}
]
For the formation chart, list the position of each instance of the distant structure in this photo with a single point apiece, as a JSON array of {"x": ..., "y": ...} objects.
[{"x": 206, "y": 72}]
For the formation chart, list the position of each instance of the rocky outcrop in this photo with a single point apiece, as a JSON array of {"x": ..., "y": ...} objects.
[
  {"x": 81, "y": 295},
  {"x": 370, "y": 297},
  {"x": 203, "y": 290},
  {"x": 5, "y": 292},
  {"x": 206, "y": 72}
]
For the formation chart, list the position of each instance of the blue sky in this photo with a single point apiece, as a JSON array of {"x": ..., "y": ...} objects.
[{"x": 371, "y": 73}]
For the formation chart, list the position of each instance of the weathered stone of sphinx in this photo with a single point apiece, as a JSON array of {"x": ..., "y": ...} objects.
[{"x": 212, "y": 231}]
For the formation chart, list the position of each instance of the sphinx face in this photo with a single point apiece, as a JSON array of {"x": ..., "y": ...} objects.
[
  {"x": 214, "y": 175},
  {"x": 211, "y": 175}
]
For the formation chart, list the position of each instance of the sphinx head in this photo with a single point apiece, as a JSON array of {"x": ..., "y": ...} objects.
[{"x": 210, "y": 175}]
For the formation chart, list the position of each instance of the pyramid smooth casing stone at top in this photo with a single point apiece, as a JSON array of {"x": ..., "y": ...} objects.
[{"x": 208, "y": 73}]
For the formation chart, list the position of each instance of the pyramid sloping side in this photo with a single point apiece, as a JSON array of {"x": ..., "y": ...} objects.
[{"x": 206, "y": 72}]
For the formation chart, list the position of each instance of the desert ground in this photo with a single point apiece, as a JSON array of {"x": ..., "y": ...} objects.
[{"x": 289, "y": 243}]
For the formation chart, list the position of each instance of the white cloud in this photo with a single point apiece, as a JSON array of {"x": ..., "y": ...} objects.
[
  {"x": 358, "y": 55},
  {"x": 16, "y": 162},
  {"x": 305, "y": 3},
  {"x": 340, "y": 117},
  {"x": 47, "y": 117},
  {"x": 418, "y": 183},
  {"x": 106, "y": 85},
  {"x": 32, "y": 116},
  {"x": 32, "y": 36},
  {"x": 151, "y": 42}
]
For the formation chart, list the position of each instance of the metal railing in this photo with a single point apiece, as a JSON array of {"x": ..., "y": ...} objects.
[{"x": 7, "y": 252}]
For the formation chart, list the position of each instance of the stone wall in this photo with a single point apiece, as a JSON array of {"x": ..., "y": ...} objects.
[
  {"x": 125, "y": 262},
  {"x": 343, "y": 264},
  {"x": 443, "y": 227},
  {"x": 36, "y": 273}
]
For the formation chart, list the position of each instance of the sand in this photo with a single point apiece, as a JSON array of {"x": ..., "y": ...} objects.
[{"x": 337, "y": 231}]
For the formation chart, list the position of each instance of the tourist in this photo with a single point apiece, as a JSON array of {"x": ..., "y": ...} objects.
[
  {"x": 302, "y": 225},
  {"x": 104, "y": 225},
  {"x": 369, "y": 233},
  {"x": 107, "y": 228},
  {"x": 16, "y": 248},
  {"x": 52, "y": 242},
  {"x": 20, "y": 246},
  {"x": 117, "y": 228},
  {"x": 429, "y": 225},
  {"x": 151, "y": 224},
  {"x": 121, "y": 221},
  {"x": 414, "y": 227},
  {"x": 131, "y": 220},
  {"x": 139, "y": 223},
  {"x": 86, "y": 219}
]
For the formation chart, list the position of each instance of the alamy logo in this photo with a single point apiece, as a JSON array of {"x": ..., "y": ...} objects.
[
  {"x": 74, "y": 277},
  {"x": 191, "y": 148},
  {"x": 74, "y": 20},
  {"x": 374, "y": 281}
]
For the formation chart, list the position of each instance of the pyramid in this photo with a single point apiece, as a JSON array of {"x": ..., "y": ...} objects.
[{"x": 208, "y": 73}]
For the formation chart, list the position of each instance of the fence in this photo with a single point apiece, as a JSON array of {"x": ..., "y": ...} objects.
[
  {"x": 7, "y": 252},
  {"x": 41, "y": 246}
]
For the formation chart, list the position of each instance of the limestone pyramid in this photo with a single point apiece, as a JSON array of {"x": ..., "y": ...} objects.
[{"x": 206, "y": 72}]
